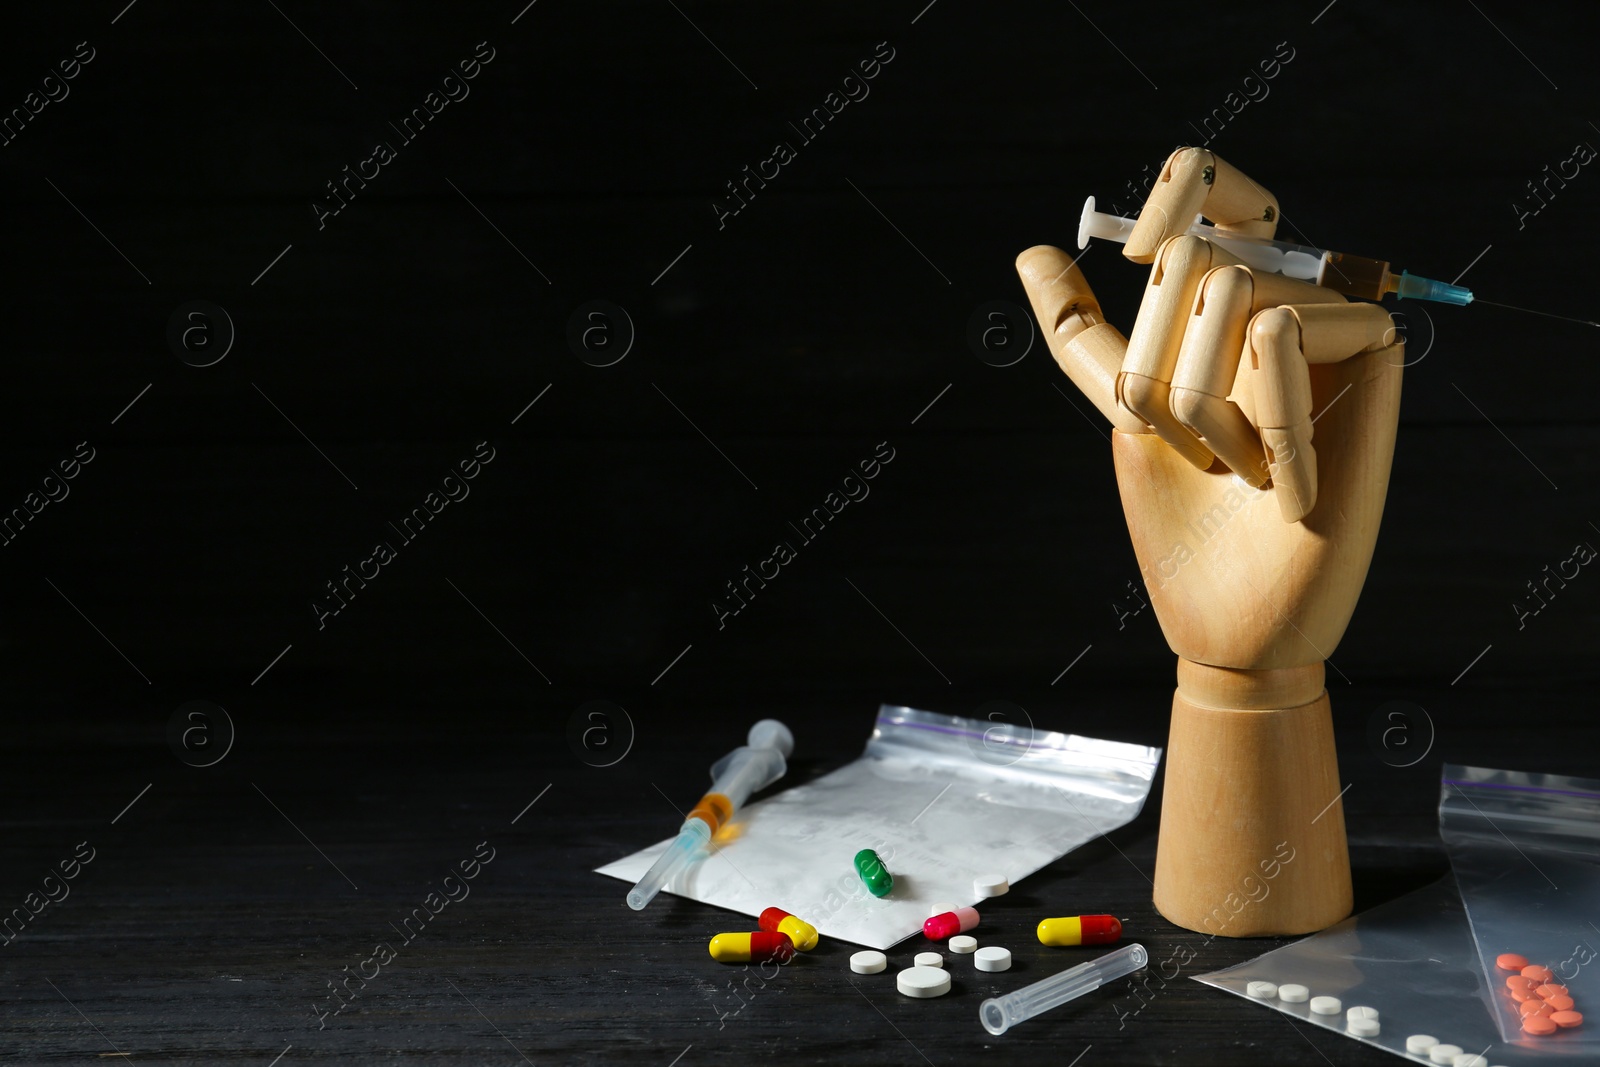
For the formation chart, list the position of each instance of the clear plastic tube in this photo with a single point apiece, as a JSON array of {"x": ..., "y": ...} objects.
[
  {"x": 693, "y": 841},
  {"x": 999, "y": 1014}
]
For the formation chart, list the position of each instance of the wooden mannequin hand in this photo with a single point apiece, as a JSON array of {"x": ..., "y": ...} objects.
[{"x": 1253, "y": 546}]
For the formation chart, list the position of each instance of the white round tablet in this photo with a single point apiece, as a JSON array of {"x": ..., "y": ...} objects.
[
  {"x": 992, "y": 958},
  {"x": 940, "y": 907},
  {"x": 1420, "y": 1043},
  {"x": 1326, "y": 1005},
  {"x": 1470, "y": 1059},
  {"x": 990, "y": 885},
  {"x": 1293, "y": 994},
  {"x": 1361, "y": 1013},
  {"x": 1445, "y": 1053},
  {"x": 1262, "y": 990},
  {"x": 1361, "y": 1026},
  {"x": 868, "y": 962},
  {"x": 963, "y": 943},
  {"x": 929, "y": 959},
  {"x": 923, "y": 981}
]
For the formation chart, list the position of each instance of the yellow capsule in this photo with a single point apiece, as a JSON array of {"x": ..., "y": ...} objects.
[
  {"x": 760, "y": 947},
  {"x": 802, "y": 933},
  {"x": 1080, "y": 930}
]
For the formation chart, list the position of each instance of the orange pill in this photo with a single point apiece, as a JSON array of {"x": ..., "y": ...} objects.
[
  {"x": 1538, "y": 1025},
  {"x": 1552, "y": 989},
  {"x": 1510, "y": 961},
  {"x": 1567, "y": 1019},
  {"x": 1535, "y": 1006},
  {"x": 1516, "y": 981},
  {"x": 1522, "y": 994},
  {"x": 1559, "y": 1002},
  {"x": 1540, "y": 975}
]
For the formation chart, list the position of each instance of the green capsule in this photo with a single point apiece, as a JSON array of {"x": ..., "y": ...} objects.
[{"x": 874, "y": 874}]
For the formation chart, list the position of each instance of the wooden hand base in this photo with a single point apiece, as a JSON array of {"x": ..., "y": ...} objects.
[{"x": 1252, "y": 824}]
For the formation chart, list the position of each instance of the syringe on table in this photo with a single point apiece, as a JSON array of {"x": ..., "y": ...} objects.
[
  {"x": 745, "y": 770},
  {"x": 1368, "y": 279}
]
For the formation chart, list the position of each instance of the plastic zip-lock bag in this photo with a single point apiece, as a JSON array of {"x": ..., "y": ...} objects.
[
  {"x": 940, "y": 798},
  {"x": 1526, "y": 852},
  {"x": 1412, "y": 960}
]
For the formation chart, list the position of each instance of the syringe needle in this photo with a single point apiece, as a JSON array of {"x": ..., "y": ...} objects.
[{"x": 1546, "y": 314}]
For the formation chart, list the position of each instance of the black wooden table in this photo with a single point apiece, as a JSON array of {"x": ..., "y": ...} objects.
[{"x": 222, "y": 903}]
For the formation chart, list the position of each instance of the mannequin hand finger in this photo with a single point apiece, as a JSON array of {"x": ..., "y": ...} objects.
[
  {"x": 1214, "y": 341},
  {"x": 1284, "y": 341},
  {"x": 1194, "y": 181},
  {"x": 1144, "y": 386},
  {"x": 1085, "y": 346}
]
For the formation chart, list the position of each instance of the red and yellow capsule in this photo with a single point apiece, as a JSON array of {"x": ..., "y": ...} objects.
[
  {"x": 778, "y": 921},
  {"x": 762, "y": 946},
  {"x": 1080, "y": 930}
]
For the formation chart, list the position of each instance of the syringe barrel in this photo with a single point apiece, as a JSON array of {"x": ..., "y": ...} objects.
[
  {"x": 745, "y": 770},
  {"x": 1216, "y": 233},
  {"x": 1344, "y": 273},
  {"x": 999, "y": 1014},
  {"x": 1357, "y": 276}
]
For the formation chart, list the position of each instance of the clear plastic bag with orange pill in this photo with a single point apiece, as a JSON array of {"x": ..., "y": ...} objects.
[
  {"x": 1526, "y": 853},
  {"x": 942, "y": 799}
]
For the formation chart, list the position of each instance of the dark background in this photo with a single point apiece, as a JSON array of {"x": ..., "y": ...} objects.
[{"x": 822, "y": 320}]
